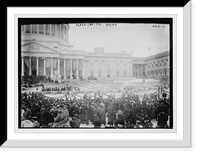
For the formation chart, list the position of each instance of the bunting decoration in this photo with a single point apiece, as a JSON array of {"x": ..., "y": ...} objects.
[
  {"x": 33, "y": 63},
  {"x": 74, "y": 64},
  {"x": 68, "y": 66},
  {"x": 55, "y": 62},
  {"x": 80, "y": 64},
  {"x": 48, "y": 62},
  {"x": 27, "y": 62}
]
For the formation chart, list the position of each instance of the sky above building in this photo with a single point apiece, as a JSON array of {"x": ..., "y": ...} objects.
[{"x": 140, "y": 40}]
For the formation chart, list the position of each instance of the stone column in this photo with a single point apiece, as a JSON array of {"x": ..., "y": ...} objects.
[
  {"x": 50, "y": 33},
  {"x": 51, "y": 67},
  {"x": 37, "y": 66},
  {"x": 70, "y": 61},
  {"x": 30, "y": 70},
  {"x": 63, "y": 32},
  {"x": 86, "y": 69},
  {"x": 44, "y": 29},
  {"x": 22, "y": 66},
  {"x": 64, "y": 69},
  {"x": 58, "y": 67},
  {"x": 60, "y": 31},
  {"x": 66, "y": 36},
  {"x": 77, "y": 75},
  {"x": 55, "y": 29},
  {"x": 24, "y": 28},
  {"x": 44, "y": 67},
  {"x": 37, "y": 28},
  {"x": 31, "y": 29},
  {"x": 130, "y": 70},
  {"x": 83, "y": 69}
]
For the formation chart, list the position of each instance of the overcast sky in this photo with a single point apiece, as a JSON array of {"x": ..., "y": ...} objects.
[{"x": 139, "y": 39}]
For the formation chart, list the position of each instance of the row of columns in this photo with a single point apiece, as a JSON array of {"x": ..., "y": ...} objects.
[
  {"x": 51, "y": 67},
  {"x": 84, "y": 68},
  {"x": 61, "y": 28},
  {"x": 158, "y": 74}
]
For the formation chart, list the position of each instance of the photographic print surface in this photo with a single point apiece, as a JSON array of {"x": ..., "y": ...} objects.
[{"x": 95, "y": 73}]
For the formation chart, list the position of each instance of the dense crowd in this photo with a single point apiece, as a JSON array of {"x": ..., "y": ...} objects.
[
  {"x": 66, "y": 88},
  {"x": 34, "y": 81},
  {"x": 128, "y": 111}
]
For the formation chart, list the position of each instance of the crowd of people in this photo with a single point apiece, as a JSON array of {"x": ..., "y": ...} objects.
[
  {"x": 35, "y": 81},
  {"x": 128, "y": 111},
  {"x": 66, "y": 88}
]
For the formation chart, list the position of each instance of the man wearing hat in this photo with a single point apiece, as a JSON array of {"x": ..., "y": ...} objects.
[
  {"x": 27, "y": 113},
  {"x": 75, "y": 121},
  {"x": 62, "y": 117}
]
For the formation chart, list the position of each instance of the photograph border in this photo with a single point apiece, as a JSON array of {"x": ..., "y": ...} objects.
[
  {"x": 129, "y": 19},
  {"x": 186, "y": 142}
]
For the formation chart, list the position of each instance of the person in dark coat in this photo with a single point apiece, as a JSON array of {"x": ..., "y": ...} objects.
[
  {"x": 132, "y": 118},
  {"x": 162, "y": 120},
  {"x": 111, "y": 116},
  {"x": 75, "y": 122},
  {"x": 45, "y": 117},
  {"x": 97, "y": 120},
  {"x": 27, "y": 113},
  {"x": 119, "y": 118}
]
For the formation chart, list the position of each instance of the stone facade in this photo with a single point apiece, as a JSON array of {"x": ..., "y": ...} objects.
[{"x": 45, "y": 50}]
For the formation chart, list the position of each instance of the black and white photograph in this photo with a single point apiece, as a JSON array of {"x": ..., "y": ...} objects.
[
  {"x": 99, "y": 78},
  {"x": 95, "y": 73}
]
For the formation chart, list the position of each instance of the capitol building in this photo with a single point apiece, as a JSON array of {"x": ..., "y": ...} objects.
[{"x": 46, "y": 51}]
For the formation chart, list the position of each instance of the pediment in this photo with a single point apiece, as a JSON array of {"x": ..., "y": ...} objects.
[{"x": 36, "y": 47}]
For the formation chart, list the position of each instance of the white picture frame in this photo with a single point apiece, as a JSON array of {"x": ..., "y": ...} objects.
[{"x": 177, "y": 138}]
